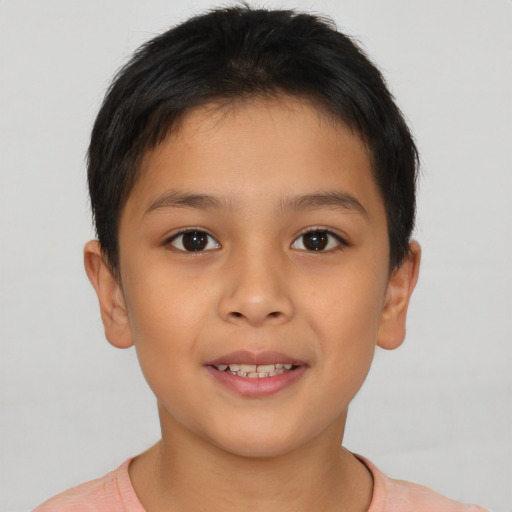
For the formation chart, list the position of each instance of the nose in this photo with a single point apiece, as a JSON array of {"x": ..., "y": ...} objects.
[{"x": 254, "y": 291}]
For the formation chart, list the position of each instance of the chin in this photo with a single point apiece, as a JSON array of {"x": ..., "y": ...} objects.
[
  {"x": 259, "y": 442},
  {"x": 257, "y": 448}
]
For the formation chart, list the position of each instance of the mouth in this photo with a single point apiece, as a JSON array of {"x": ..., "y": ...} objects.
[
  {"x": 256, "y": 375},
  {"x": 253, "y": 371}
]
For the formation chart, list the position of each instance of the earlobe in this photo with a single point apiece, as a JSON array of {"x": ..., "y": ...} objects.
[
  {"x": 110, "y": 296},
  {"x": 398, "y": 294}
]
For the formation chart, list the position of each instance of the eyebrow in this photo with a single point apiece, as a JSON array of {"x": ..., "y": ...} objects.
[
  {"x": 337, "y": 200},
  {"x": 177, "y": 199}
]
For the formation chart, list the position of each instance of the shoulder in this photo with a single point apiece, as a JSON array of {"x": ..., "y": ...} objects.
[
  {"x": 390, "y": 495},
  {"x": 112, "y": 493}
]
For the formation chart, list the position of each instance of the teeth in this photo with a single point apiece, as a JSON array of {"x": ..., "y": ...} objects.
[
  {"x": 265, "y": 367},
  {"x": 247, "y": 368},
  {"x": 253, "y": 371}
]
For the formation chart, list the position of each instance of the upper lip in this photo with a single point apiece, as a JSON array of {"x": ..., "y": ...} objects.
[{"x": 257, "y": 358}]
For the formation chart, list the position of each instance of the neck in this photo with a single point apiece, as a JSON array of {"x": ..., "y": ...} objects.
[{"x": 186, "y": 472}]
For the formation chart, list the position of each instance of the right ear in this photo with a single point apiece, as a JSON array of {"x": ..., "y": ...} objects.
[{"x": 110, "y": 296}]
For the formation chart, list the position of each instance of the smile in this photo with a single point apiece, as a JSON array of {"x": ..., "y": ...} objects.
[
  {"x": 256, "y": 380},
  {"x": 253, "y": 371},
  {"x": 256, "y": 374}
]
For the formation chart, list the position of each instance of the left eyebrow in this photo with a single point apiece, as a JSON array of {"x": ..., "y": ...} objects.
[
  {"x": 331, "y": 199},
  {"x": 178, "y": 199}
]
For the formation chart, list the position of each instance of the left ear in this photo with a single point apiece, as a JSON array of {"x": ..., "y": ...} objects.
[
  {"x": 113, "y": 310},
  {"x": 398, "y": 294}
]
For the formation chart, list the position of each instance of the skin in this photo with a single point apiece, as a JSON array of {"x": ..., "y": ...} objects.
[{"x": 255, "y": 287}]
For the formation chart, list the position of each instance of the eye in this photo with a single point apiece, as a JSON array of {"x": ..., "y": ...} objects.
[
  {"x": 318, "y": 240},
  {"x": 194, "y": 241}
]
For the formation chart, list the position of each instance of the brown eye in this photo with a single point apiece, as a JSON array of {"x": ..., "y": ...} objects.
[
  {"x": 194, "y": 241},
  {"x": 317, "y": 240}
]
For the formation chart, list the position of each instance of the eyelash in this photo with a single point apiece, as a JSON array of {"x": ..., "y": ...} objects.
[
  {"x": 198, "y": 231},
  {"x": 340, "y": 243}
]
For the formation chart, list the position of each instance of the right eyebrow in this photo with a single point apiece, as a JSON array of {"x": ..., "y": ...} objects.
[
  {"x": 178, "y": 199},
  {"x": 334, "y": 199}
]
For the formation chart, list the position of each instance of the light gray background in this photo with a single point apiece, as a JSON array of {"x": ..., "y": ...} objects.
[{"x": 437, "y": 411}]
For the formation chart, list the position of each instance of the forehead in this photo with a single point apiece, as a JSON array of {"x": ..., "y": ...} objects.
[{"x": 257, "y": 151}]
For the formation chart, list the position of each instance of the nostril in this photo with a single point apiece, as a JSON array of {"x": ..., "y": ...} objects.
[{"x": 273, "y": 314}]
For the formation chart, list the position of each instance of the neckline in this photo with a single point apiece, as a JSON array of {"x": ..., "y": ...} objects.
[{"x": 377, "y": 503}]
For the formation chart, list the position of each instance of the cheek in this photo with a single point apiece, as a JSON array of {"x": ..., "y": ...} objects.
[
  {"x": 166, "y": 317},
  {"x": 163, "y": 302},
  {"x": 345, "y": 316},
  {"x": 346, "y": 307},
  {"x": 165, "y": 334}
]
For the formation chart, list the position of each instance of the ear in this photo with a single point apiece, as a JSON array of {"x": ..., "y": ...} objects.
[
  {"x": 398, "y": 294},
  {"x": 110, "y": 296}
]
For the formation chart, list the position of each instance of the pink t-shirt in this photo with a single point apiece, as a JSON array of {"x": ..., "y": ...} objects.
[{"x": 114, "y": 493}]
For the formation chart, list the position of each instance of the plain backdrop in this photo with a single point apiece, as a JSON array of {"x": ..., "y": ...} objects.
[{"x": 437, "y": 410}]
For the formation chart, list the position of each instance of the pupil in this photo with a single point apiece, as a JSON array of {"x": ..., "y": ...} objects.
[
  {"x": 315, "y": 241},
  {"x": 195, "y": 241}
]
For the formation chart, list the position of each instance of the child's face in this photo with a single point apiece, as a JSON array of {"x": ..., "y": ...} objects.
[{"x": 263, "y": 185}]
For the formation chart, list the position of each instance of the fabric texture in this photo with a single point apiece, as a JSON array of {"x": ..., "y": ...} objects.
[
  {"x": 114, "y": 493},
  {"x": 391, "y": 495}
]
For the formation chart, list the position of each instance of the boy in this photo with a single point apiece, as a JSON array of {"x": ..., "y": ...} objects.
[{"x": 253, "y": 188}]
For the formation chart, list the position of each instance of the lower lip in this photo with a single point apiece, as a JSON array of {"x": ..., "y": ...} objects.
[{"x": 257, "y": 387}]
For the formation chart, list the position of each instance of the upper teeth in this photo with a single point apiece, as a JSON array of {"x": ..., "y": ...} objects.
[
  {"x": 255, "y": 370},
  {"x": 247, "y": 368}
]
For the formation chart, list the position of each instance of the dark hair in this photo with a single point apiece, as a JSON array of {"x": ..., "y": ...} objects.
[{"x": 242, "y": 52}]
